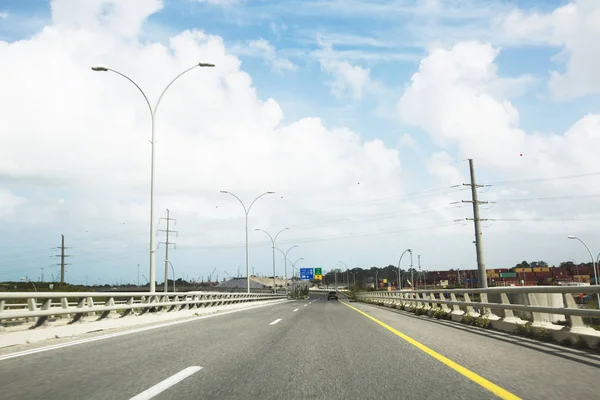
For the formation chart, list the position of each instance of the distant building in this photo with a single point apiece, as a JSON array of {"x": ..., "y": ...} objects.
[{"x": 258, "y": 283}]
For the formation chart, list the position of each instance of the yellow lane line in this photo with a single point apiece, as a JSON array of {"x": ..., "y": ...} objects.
[{"x": 481, "y": 381}]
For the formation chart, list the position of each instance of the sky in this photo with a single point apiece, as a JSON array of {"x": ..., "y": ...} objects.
[{"x": 360, "y": 115}]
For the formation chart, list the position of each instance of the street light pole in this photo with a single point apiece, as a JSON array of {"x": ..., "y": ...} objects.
[
  {"x": 399, "y": 261},
  {"x": 153, "y": 112},
  {"x": 294, "y": 268},
  {"x": 354, "y": 277},
  {"x": 347, "y": 273},
  {"x": 593, "y": 264},
  {"x": 285, "y": 263},
  {"x": 273, "y": 239},
  {"x": 30, "y": 281},
  {"x": 247, "y": 211},
  {"x": 173, "y": 269}
]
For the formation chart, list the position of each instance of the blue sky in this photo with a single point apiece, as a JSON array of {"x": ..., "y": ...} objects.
[
  {"x": 298, "y": 30},
  {"x": 389, "y": 39}
]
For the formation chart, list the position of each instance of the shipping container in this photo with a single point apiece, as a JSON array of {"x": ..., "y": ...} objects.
[
  {"x": 493, "y": 275},
  {"x": 491, "y": 271},
  {"x": 508, "y": 275},
  {"x": 581, "y": 270},
  {"x": 543, "y": 274},
  {"x": 541, "y": 269},
  {"x": 581, "y": 278},
  {"x": 520, "y": 269},
  {"x": 500, "y": 270}
]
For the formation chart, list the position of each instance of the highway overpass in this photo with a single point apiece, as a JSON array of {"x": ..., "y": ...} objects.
[{"x": 305, "y": 349}]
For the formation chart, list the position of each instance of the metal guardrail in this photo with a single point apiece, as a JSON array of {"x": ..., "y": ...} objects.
[
  {"x": 40, "y": 306},
  {"x": 500, "y": 308}
]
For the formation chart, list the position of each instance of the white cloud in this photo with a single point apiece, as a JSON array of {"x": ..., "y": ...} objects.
[
  {"x": 408, "y": 141},
  {"x": 277, "y": 29},
  {"x": 575, "y": 27},
  {"x": 87, "y": 134},
  {"x": 220, "y": 2},
  {"x": 75, "y": 157},
  {"x": 109, "y": 16},
  {"x": 348, "y": 80},
  {"x": 9, "y": 203},
  {"x": 3, "y": 15},
  {"x": 261, "y": 48},
  {"x": 449, "y": 97}
]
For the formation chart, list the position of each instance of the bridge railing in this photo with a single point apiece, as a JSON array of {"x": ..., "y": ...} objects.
[
  {"x": 551, "y": 309},
  {"x": 39, "y": 307}
]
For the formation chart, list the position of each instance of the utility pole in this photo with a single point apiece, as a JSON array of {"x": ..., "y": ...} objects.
[
  {"x": 167, "y": 243},
  {"x": 419, "y": 264},
  {"x": 62, "y": 256},
  {"x": 476, "y": 221},
  {"x": 42, "y": 275}
]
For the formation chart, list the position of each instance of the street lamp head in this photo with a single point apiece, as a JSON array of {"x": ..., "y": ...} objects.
[
  {"x": 206, "y": 65},
  {"x": 224, "y": 191},
  {"x": 572, "y": 237},
  {"x": 99, "y": 69},
  {"x": 270, "y": 192}
]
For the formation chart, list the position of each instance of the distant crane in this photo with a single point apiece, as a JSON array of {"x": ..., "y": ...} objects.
[
  {"x": 226, "y": 273},
  {"x": 211, "y": 274}
]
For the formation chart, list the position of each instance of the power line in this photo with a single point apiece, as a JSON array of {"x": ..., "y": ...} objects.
[
  {"x": 62, "y": 256},
  {"x": 583, "y": 219},
  {"x": 167, "y": 243},
  {"x": 543, "y": 179},
  {"x": 323, "y": 238},
  {"x": 476, "y": 222},
  {"x": 584, "y": 196}
]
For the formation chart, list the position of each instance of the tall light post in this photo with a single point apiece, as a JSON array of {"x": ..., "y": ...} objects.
[
  {"x": 294, "y": 269},
  {"x": 26, "y": 279},
  {"x": 285, "y": 263},
  {"x": 172, "y": 269},
  {"x": 593, "y": 264},
  {"x": 354, "y": 277},
  {"x": 399, "y": 261},
  {"x": 347, "y": 272},
  {"x": 273, "y": 239},
  {"x": 153, "y": 112},
  {"x": 247, "y": 211}
]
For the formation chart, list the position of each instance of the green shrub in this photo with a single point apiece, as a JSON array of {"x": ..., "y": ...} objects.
[
  {"x": 565, "y": 342},
  {"x": 543, "y": 334},
  {"x": 420, "y": 311},
  {"x": 440, "y": 314},
  {"x": 482, "y": 322},
  {"x": 524, "y": 330},
  {"x": 581, "y": 344}
]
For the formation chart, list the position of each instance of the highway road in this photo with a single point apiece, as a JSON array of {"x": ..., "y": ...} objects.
[{"x": 309, "y": 349}]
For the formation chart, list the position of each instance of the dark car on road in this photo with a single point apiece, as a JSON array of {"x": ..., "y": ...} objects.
[{"x": 332, "y": 295}]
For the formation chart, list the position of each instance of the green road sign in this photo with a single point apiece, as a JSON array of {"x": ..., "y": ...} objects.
[{"x": 318, "y": 271}]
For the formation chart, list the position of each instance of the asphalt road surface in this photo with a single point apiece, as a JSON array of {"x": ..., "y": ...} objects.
[{"x": 312, "y": 349}]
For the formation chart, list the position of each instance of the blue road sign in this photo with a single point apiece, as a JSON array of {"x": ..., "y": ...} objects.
[{"x": 307, "y": 274}]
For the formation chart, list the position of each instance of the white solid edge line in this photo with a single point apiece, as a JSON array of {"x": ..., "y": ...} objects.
[
  {"x": 296, "y": 309},
  {"x": 167, "y": 383},
  {"x": 117, "y": 334},
  {"x": 276, "y": 321}
]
